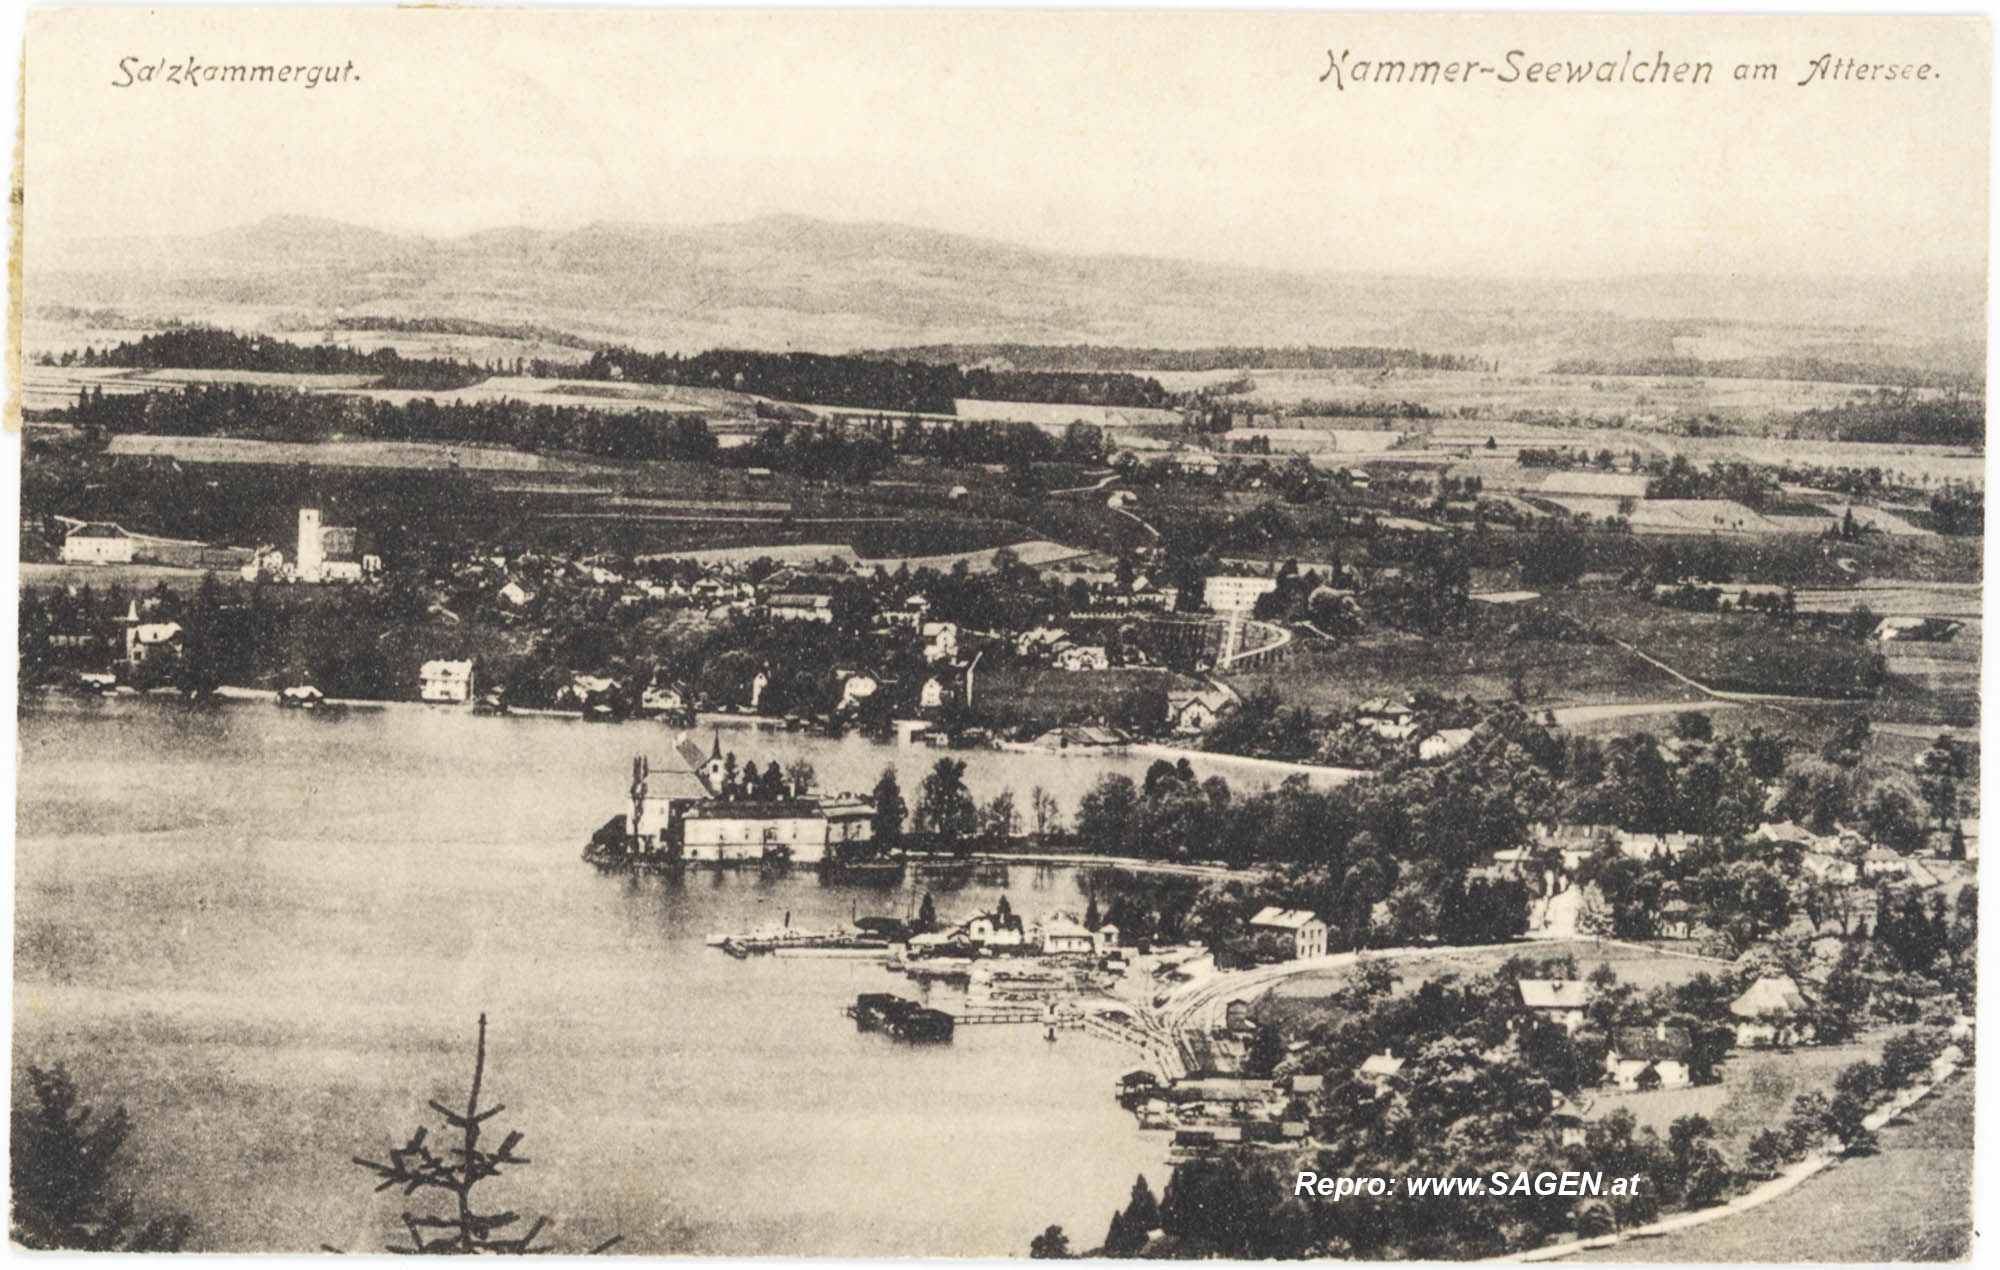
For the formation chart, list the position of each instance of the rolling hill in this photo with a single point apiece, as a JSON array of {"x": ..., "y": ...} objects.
[{"x": 796, "y": 282}]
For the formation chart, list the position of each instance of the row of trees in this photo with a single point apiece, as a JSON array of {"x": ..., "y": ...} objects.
[
  {"x": 864, "y": 382},
  {"x": 207, "y": 348}
]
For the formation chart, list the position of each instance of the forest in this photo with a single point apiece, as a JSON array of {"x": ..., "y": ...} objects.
[
  {"x": 862, "y": 382},
  {"x": 1819, "y": 370},
  {"x": 205, "y": 348}
]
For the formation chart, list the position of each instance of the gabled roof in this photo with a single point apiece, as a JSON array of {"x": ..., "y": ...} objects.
[
  {"x": 1381, "y": 1065},
  {"x": 1772, "y": 994},
  {"x": 1284, "y": 918},
  {"x": 1554, "y": 994},
  {"x": 1634, "y": 1043}
]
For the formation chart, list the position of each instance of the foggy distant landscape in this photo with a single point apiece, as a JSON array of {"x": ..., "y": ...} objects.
[{"x": 795, "y": 282}]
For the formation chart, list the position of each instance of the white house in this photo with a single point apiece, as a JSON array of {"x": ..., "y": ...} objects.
[
  {"x": 151, "y": 641},
  {"x": 1643, "y": 1059},
  {"x": 1558, "y": 1000},
  {"x": 940, "y": 641},
  {"x": 1441, "y": 745},
  {"x": 854, "y": 689},
  {"x": 798, "y": 607},
  {"x": 1065, "y": 935},
  {"x": 1083, "y": 657},
  {"x": 661, "y": 699},
  {"x": 931, "y": 695},
  {"x": 1772, "y": 1011},
  {"x": 1192, "y": 713},
  {"x": 1381, "y": 1069},
  {"x": 97, "y": 543},
  {"x": 516, "y": 594},
  {"x": 449, "y": 682},
  {"x": 1306, "y": 931},
  {"x": 1881, "y": 862}
]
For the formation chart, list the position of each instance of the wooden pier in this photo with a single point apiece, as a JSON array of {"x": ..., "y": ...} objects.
[{"x": 1017, "y": 1016}]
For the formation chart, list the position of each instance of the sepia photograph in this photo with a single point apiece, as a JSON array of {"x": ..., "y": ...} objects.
[{"x": 865, "y": 633}]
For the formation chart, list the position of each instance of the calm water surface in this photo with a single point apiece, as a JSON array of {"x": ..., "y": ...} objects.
[{"x": 269, "y": 935}]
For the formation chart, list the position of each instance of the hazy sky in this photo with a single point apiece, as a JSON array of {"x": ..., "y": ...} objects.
[{"x": 1210, "y": 137}]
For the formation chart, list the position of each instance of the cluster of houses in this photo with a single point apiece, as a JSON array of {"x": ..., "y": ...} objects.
[
  {"x": 1002, "y": 932},
  {"x": 1211, "y": 1113}
]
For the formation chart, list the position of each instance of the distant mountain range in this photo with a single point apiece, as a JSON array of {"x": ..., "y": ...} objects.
[{"x": 797, "y": 282}]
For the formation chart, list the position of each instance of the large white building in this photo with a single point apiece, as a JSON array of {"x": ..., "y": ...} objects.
[
  {"x": 1303, "y": 927},
  {"x": 97, "y": 543},
  {"x": 710, "y": 829},
  {"x": 1225, "y": 593}
]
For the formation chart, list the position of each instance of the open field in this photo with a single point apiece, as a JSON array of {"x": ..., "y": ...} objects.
[
  {"x": 103, "y": 576},
  {"x": 1735, "y": 652},
  {"x": 1910, "y": 1201},
  {"x": 418, "y": 455},
  {"x": 1067, "y": 695},
  {"x": 1383, "y": 662}
]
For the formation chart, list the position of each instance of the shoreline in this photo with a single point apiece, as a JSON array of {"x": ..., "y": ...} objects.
[{"x": 1140, "y": 749}]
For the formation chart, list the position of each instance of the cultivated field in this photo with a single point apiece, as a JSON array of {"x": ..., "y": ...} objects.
[{"x": 1391, "y": 663}]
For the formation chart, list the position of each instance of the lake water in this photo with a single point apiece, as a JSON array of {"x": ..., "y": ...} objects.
[{"x": 269, "y": 935}]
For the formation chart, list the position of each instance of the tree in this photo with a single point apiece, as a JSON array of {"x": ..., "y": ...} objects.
[
  {"x": 1267, "y": 1050},
  {"x": 1767, "y": 1151},
  {"x": 414, "y": 1167},
  {"x": 1143, "y": 1213},
  {"x": 63, "y": 1170},
  {"x": 927, "y": 920},
  {"x": 801, "y": 776},
  {"x": 1047, "y": 815},
  {"x": 1050, "y": 1245},
  {"x": 945, "y": 809},
  {"x": 999, "y": 819},
  {"x": 1694, "y": 725},
  {"x": 889, "y": 810}
]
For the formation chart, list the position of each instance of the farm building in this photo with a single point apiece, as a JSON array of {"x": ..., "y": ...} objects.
[
  {"x": 99, "y": 542},
  {"x": 1772, "y": 1011},
  {"x": 1650, "y": 1058},
  {"x": 1557, "y": 1000}
]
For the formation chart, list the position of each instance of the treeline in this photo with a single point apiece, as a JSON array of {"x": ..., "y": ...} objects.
[
  {"x": 467, "y": 326},
  {"x": 1098, "y": 357},
  {"x": 1901, "y": 420},
  {"x": 1806, "y": 369},
  {"x": 205, "y": 348},
  {"x": 862, "y": 382},
  {"x": 279, "y": 414}
]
